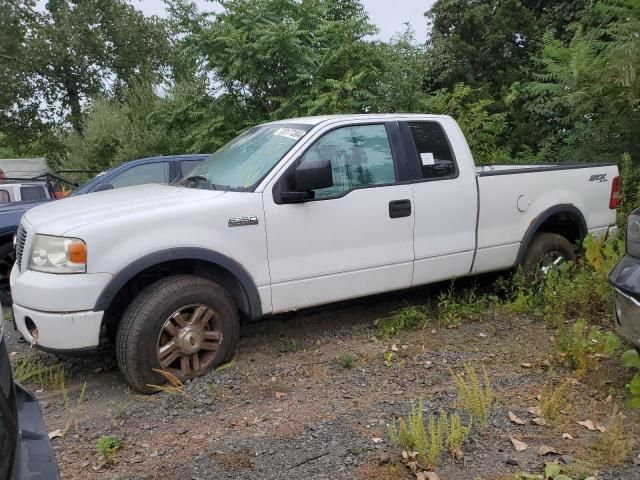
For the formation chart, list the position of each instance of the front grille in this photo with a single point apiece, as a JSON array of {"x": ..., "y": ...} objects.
[{"x": 21, "y": 238}]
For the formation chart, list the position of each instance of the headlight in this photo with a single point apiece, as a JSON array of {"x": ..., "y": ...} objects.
[
  {"x": 58, "y": 255},
  {"x": 633, "y": 236}
]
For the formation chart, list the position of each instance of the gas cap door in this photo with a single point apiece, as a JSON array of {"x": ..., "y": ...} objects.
[{"x": 523, "y": 203}]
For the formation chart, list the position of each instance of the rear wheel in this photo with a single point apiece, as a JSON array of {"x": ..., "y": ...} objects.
[
  {"x": 183, "y": 325},
  {"x": 546, "y": 252}
]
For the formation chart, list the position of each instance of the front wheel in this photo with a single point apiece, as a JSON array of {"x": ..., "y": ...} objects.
[
  {"x": 546, "y": 252},
  {"x": 184, "y": 325}
]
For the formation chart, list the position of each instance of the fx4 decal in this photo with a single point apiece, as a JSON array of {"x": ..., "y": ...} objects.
[{"x": 599, "y": 177}]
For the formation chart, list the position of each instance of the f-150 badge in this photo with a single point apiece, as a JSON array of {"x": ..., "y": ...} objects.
[{"x": 242, "y": 221}]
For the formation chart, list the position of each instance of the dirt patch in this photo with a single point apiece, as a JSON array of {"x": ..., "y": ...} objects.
[{"x": 288, "y": 409}]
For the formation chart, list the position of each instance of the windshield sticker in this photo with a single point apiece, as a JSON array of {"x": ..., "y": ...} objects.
[{"x": 292, "y": 133}]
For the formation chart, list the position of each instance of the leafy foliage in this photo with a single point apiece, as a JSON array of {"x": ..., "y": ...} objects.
[
  {"x": 107, "y": 446},
  {"x": 452, "y": 308},
  {"x": 631, "y": 359},
  {"x": 91, "y": 84},
  {"x": 580, "y": 344},
  {"x": 404, "y": 319}
]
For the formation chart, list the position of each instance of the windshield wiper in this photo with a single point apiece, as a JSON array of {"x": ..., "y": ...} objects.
[{"x": 199, "y": 179}]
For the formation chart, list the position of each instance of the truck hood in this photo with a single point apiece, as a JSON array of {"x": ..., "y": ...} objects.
[{"x": 61, "y": 216}]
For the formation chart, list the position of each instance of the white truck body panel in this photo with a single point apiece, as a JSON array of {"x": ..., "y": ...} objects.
[{"x": 298, "y": 255}]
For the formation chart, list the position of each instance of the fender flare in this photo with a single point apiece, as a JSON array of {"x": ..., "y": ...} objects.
[
  {"x": 184, "y": 253},
  {"x": 543, "y": 217}
]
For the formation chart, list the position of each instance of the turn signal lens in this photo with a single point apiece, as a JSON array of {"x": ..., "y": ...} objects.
[{"x": 77, "y": 252}]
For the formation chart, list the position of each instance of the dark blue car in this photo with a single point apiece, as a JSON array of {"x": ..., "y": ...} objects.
[
  {"x": 163, "y": 170},
  {"x": 146, "y": 170}
]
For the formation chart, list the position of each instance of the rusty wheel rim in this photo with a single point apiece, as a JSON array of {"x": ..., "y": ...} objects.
[{"x": 189, "y": 341}]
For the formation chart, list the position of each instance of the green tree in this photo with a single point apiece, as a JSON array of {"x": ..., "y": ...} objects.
[
  {"x": 586, "y": 94},
  {"x": 480, "y": 42},
  {"x": 286, "y": 57},
  {"x": 80, "y": 49},
  {"x": 472, "y": 109}
]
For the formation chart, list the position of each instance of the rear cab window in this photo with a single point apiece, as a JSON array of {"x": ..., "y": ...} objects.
[{"x": 429, "y": 146}]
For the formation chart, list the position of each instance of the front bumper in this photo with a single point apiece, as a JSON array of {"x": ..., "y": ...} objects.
[
  {"x": 55, "y": 312},
  {"x": 59, "y": 332},
  {"x": 625, "y": 279},
  {"x": 48, "y": 292}
]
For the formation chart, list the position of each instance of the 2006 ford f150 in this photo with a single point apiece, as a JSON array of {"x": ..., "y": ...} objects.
[{"x": 288, "y": 215}]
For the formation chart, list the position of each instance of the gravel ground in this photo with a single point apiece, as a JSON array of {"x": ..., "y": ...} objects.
[{"x": 286, "y": 409}]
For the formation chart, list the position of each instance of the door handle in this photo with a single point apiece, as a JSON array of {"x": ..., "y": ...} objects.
[{"x": 399, "y": 208}]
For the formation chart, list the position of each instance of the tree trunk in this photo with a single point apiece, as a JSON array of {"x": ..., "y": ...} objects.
[{"x": 73, "y": 99}]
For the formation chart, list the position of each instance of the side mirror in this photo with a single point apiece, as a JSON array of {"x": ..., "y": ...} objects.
[
  {"x": 313, "y": 175},
  {"x": 102, "y": 187},
  {"x": 307, "y": 177}
]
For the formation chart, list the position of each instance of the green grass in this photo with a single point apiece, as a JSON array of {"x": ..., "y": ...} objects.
[
  {"x": 406, "y": 318},
  {"x": 292, "y": 345},
  {"x": 428, "y": 440},
  {"x": 108, "y": 445},
  {"x": 346, "y": 361},
  {"x": 475, "y": 398}
]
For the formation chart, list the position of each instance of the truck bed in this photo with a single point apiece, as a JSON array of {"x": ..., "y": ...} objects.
[{"x": 510, "y": 202}]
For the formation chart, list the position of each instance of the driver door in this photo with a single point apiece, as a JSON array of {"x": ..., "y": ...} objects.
[{"x": 354, "y": 238}]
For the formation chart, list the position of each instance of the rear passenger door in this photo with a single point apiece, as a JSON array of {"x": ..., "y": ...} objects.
[{"x": 445, "y": 203}]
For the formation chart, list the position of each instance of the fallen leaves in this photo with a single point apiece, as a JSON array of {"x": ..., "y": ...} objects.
[
  {"x": 427, "y": 476},
  {"x": 535, "y": 411},
  {"x": 568, "y": 436},
  {"x": 280, "y": 395},
  {"x": 526, "y": 365},
  {"x": 519, "y": 445},
  {"x": 546, "y": 450},
  {"x": 55, "y": 434},
  {"x": 539, "y": 421},
  {"x": 515, "y": 419},
  {"x": 587, "y": 424},
  {"x": 376, "y": 440}
]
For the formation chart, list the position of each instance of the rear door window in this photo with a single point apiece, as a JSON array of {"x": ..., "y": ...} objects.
[
  {"x": 433, "y": 151},
  {"x": 33, "y": 193},
  {"x": 4, "y": 197}
]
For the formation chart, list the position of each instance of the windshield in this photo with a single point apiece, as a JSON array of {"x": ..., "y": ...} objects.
[{"x": 245, "y": 160}]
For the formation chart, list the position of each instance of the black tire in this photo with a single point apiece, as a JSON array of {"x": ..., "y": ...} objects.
[
  {"x": 7, "y": 259},
  {"x": 542, "y": 245},
  {"x": 138, "y": 336}
]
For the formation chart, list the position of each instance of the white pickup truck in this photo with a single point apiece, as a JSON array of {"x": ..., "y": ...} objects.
[{"x": 290, "y": 214}]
